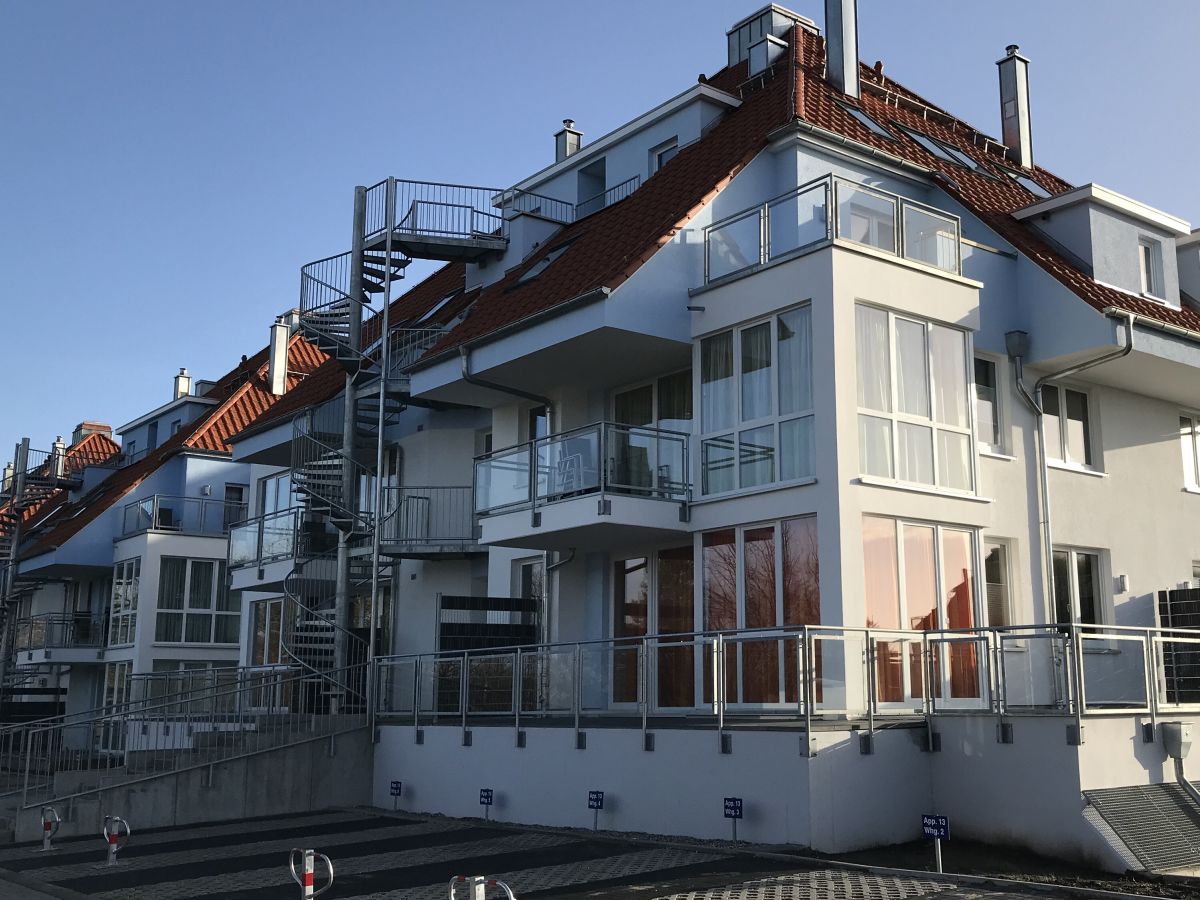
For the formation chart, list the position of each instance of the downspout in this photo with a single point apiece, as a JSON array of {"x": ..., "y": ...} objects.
[{"x": 1016, "y": 352}]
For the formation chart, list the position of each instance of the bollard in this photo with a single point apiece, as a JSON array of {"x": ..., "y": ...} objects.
[
  {"x": 112, "y": 836},
  {"x": 50, "y": 825},
  {"x": 307, "y": 878},
  {"x": 479, "y": 885}
]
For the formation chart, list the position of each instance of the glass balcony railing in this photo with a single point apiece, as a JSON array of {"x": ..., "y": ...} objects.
[
  {"x": 187, "y": 515},
  {"x": 830, "y": 207},
  {"x": 49, "y": 631},
  {"x": 604, "y": 457},
  {"x": 264, "y": 538}
]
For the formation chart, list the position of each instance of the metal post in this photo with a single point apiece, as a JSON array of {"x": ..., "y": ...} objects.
[
  {"x": 577, "y": 688},
  {"x": 517, "y": 692},
  {"x": 810, "y": 692},
  {"x": 719, "y": 688},
  {"x": 644, "y": 685},
  {"x": 306, "y": 877},
  {"x": 416, "y": 695},
  {"x": 463, "y": 687},
  {"x": 1077, "y": 666},
  {"x": 937, "y": 853},
  {"x": 112, "y": 836},
  {"x": 50, "y": 825},
  {"x": 871, "y": 691}
]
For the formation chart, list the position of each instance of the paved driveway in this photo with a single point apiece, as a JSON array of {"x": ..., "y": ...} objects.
[{"x": 386, "y": 857}]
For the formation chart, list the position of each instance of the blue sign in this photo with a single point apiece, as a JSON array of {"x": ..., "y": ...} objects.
[
  {"x": 595, "y": 799},
  {"x": 936, "y": 827},
  {"x": 397, "y": 788},
  {"x": 733, "y": 807},
  {"x": 485, "y": 796}
]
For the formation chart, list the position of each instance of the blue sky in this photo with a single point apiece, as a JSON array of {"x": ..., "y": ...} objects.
[{"x": 166, "y": 167}]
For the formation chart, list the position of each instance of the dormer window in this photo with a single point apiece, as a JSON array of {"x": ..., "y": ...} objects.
[
  {"x": 663, "y": 154},
  {"x": 1150, "y": 264}
]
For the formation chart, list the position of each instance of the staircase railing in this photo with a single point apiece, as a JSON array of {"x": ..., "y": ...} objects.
[
  {"x": 318, "y": 473},
  {"x": 258, "y": 710}
]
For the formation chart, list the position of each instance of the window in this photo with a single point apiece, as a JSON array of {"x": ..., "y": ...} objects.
[
  {"x": 1067, "y": 425},
  {"x": 267, "y": 617},
  {"x": 194, "y": 606},
  {"x": 433, "y": 310},
  {"x": 1196, "y": 575},
  {"x": 131, "y": 451},
  {"x": 122, "y": 627},
  {"x": 1077, "y": 596},
  {"x": 987, "y": 406},
  {"x": 663, "y": 154},
  {"x": 942, "y": 151},
  {"x": 1189, "y": 444},
  {"x": 235, "y": 503},
  {"x": 175, "y": 425},
  {"x": 914, "y": 421},
  {"x": 1029, "y": 184},
  {"x": 529, "y": 578},
  {"x": 756, "y": 387},
  {"x": 275, "y": 493},
  {"x": 1150, "y": 267},
  {"x": 867, "y": 122},
  {"x": 996, "y": 583},
  {"x": 152, "y": 436},
  {"x": 538, "y": 423},
  {"x": 544, "y": 263}
]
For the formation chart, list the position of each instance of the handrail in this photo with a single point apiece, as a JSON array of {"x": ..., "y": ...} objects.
[{"x": 157, "y": 512}]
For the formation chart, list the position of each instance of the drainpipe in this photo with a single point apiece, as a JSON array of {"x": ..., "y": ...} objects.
[
  {"x": 465, "y": 354},
  {"x": 1017, "y": 344}
]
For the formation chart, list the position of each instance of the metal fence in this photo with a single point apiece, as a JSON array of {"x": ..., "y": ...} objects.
[
  {"x": 188, "y": 515},
  {"x": 607, "y": 198},
  {"x": 428, "y": 516}
]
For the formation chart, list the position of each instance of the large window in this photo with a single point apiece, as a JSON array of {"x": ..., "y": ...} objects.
[
  {"x": 1189, "y": 444},
  {"x": 1077, "y": 590},
  {"x": 194, "y": 606},
  {"x": 914, "y": 421},
  {"x": 756, "y": 404},
  {"x": 275, "y": 493},
  {"x": 122, "y": 627},
  {"x": 1068, "y": 425}
]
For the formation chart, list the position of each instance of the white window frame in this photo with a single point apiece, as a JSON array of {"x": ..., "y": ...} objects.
[
  {"x": 1104, "y": 598},
  {"x": 1000, "y": 447},
  {"x": 774, "y": 419},
  {"x": 656, "y": 153},
  {"x": 1150, "y": 268},
  {"x": 1058, "y": 457},
  {"x": 268, "y": 486},
  {"x": 1189, "y": 449},
  {"x": 123, "y": 609},
  {"x": 1006, "y": 564},
  {"x": 187, "y": 611},
  {"x": 896, "y": 417}
]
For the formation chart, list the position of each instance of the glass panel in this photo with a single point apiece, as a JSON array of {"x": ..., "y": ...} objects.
[
  {"x": 1062, "y": 587},
  {"x": 635, "y": 407},
  {"x": 633, "y": 459},
  {"x": 796, "y": 450},
  {"x": 757, "y": 451},
  {"x": 995, "y": 571},
  {"x": 718, "y": 465},
  {"x": 199, "y": 628},
  {"x": 794, "y": 341},
  {"x": 675, "y": 401},
  {"x": 631, "y": 599},
  {"x": 914, "y": 453},
  {"x": 1051, "y": 422},
  {"x": 676, "y": 615},
  {"x": 716, "y": 382},
  {"x": 954, "y": 460},
  {"x": 874, "y": 361},
  {"x": 797, "y": 220},
  {"x": 866, "y": 217},
  {"x": 912, "y": 373},
  {"x": 987, "y": 413},
  {"x": 734, "y": 246},
  {"x": 1079, "y": 442},
  {"x": 1187, "y": 446},
  {"x": 171, "y": 574},
  {"x": 882, "y": 586},
  {"x": 760, "y": 670},
  {"x": 930, "y": 238},
  {"x": 756, "y": 372},
  {"x": 168, "y": 627},
  {"x": 200, "y": 592},
  {"x": 801, "y": 572},
  {"x": 502, "y": 480},
  {"x": 1087, "y": 571},
  {"x": 719, "y": 559},
  {"x": 568, "y": 464},
  {"x": 958, "y": 583},
  {"x": 920, "y": 596},
  {"x": 948, "y": 351},
  {"x": 875, "y": 446}
]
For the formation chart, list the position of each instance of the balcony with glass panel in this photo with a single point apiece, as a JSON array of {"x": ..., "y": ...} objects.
[
  {"x": 55, "y": 638},
  {"x": 826, "y": 210},
  {"x": 262, "y": 550},
  {"x": 594, "y": 486}
]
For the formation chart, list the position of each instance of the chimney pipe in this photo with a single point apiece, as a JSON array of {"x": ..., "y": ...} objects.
[
  {"x": 568, "y": 141},
  {"x": 278, "y": 357},
  {"x": 1014, "y": 106},
  {"x": 841, "y": 45},
  {"x": 183, "y": 384}
]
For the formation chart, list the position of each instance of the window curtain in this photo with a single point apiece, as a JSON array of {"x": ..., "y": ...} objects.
[
  {"x": 675, "y": 401},
  {"x": 794, "y": 339},
  {"x": 948, "y": 351},
  {"x": 716, "y": 382},
  {"x": 912, "y": 379},
  {"x": 756, "y": 372},
  {"x": 874, "y": 363}
]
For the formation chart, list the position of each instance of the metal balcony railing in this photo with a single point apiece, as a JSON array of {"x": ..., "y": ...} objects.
[
  {"x": 826, "y": 208},
  {"x": 53, "y": 631},
  {"x": 604, "y": 457},
  {"x": 187, "y": 515},
  {"x": 407, "y": 345},
  {"x": 607, "y": 198},
  {"x": 264, "y": 538},
  {"x": 428, "y": 517}
]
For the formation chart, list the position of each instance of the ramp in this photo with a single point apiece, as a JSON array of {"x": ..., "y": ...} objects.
[{"x": 1159, "y": 824}]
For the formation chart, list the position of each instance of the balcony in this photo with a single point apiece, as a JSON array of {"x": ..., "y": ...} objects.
[
  {"x": 59, "y": 639},
  {"x": 181, "y": 515},
  {"x": 428, "y": 523},
  {"x": 806, "y": 218},
  {"x": 262, "y": 550},
  {"x": 596, "y": 486}
]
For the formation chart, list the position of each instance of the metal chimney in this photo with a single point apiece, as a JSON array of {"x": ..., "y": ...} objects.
[
  {"x": 841, "y": 45},
  {"x": 568, "y": 141},
  {"x": 1014, "y": 106},
  {"x": 183, "y": 384},
  {"x": 277, "y": 361}
]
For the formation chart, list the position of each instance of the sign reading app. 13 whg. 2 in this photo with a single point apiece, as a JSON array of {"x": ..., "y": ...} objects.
[
  {"x": 485, "y": 796},
  {"x": 733, "y": 807},
  {"x": 595, "y": 799},
  {"x": 936, "y": 827}
]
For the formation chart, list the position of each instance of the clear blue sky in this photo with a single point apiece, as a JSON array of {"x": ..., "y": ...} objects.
[{"x": 166, "y": 167}]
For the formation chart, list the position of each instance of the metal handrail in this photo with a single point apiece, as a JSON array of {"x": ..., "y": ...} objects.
[
  {"x": 157, "y": 512},
  {"x": 607, "y": 198},
  {"x": 258, "y": 526},
  {"x": 428, "y": 515}
]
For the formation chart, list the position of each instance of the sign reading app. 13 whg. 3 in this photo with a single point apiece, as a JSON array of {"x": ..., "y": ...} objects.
[
  {"x": 733, "y": 807},
  {"x": 936, "y": 827}
]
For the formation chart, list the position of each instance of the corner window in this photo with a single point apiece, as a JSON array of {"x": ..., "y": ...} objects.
[
  {"x": 127, "y": 576},
  {"x": 1068, "y": 425},
  {"x": 1150, "y": 267},
  {"x": 663, "y": 154},
  {"x": 756, "y": 386},
  {"x": 914, "y": 421},
  {"x": 987, "y": 406},
  {"x": 194, "y": 606},
  {"x": 998, "y": 593},
  {"x": 1077, "y": 591}
]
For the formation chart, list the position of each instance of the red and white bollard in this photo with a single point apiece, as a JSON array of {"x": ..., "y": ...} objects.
[
  {"x": 113, "y": 837},
  {"x": 478, "y": 885},
  {"x": 306, "y": 877},
  {"x": 50, "y": 825}
]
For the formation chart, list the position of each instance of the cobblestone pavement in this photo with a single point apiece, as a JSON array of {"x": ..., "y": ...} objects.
[{"x": 389, "y": 857}]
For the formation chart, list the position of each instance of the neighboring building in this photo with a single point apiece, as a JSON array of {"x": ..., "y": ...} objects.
[{"x": 779, "y": 444}]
